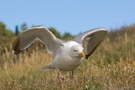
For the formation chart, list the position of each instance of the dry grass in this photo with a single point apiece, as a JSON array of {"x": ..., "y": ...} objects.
[{"x": 111, "y": 67}]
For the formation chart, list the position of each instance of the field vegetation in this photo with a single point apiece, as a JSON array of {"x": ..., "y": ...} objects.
[{"x": 111, "y": 67}]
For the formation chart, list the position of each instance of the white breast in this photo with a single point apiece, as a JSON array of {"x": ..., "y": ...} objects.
[
  {"x": 64, "y": 60},
  {"x": 66, "y": 64}
]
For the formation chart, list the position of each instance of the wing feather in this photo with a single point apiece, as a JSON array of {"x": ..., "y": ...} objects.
[
  {"x": 93, "y": 38},
  {"x": 26, "y": 38}
]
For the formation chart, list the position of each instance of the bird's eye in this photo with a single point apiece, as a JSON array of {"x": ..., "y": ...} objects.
[{"x": 75, "y": 50}]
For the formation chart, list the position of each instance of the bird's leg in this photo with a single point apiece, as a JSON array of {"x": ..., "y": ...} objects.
[
  {"x": 60, "y": 77},
  {"x": 72, "y": 75}
]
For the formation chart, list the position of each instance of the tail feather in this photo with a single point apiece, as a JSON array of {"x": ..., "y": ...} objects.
[{"x": 46, "y": 68}]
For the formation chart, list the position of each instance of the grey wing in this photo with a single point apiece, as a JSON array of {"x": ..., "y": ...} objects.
[
  {"x": 26, "y": 38},
  {"x": 91, "y": 39}
]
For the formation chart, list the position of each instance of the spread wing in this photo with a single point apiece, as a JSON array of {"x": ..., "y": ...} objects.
[
  {"x": 26, "y": 38},
  {"x": 91, "y": 39}
]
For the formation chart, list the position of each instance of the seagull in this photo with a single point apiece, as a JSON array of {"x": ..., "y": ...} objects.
[{"x": 66, "y": 55}]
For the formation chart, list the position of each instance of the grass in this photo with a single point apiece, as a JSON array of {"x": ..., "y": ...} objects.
[{"x": 111, "y": 67}]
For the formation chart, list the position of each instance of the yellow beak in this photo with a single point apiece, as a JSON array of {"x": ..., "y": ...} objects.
[{"x": 81, "y": 54}]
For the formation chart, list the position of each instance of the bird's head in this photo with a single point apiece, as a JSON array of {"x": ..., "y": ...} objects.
[
  {"x": 77, "y": 50},
  {"x": 74, "y": 49}
]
